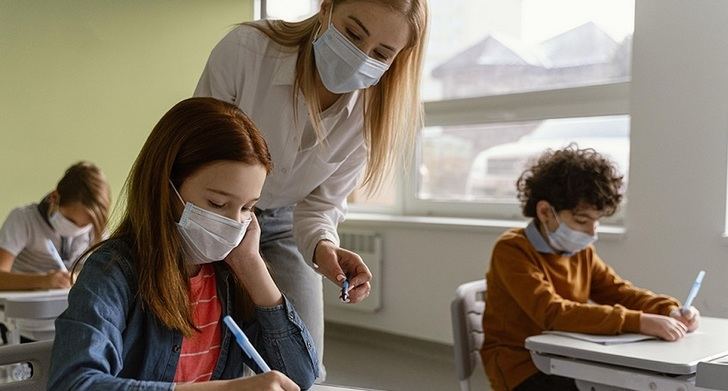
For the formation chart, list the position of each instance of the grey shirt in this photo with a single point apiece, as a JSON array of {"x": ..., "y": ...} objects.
[{"x": 26, "y": 233}]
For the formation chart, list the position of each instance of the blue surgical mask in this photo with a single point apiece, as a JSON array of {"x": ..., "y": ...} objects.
[
  {"x": 568, "y": 240},
  {"x": 341, "y": 65},
  {"x": 208, "y": 237}
]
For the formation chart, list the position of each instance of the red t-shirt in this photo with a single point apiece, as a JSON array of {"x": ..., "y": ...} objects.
[{"x": 200, "y": 352}]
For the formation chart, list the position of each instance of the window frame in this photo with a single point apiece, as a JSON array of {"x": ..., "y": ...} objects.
[{"x": 584, "y": 101}]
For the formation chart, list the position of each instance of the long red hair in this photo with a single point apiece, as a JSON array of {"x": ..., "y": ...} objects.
[{"x": 192, "y": 134}]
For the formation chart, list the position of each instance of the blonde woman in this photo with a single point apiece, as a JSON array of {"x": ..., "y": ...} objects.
[{"x": 336, "y": 97}]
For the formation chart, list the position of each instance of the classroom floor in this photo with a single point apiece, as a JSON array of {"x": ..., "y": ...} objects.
[{"x": 370, "y": 359}]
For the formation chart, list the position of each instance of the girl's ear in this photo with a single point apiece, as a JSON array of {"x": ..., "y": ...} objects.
[{"x": 53, "y": 198}]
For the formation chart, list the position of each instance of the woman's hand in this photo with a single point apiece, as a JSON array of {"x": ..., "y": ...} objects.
[
  {"x": 337, "y": 263},
  {"x": 663, "y": 327},
  {"x": 689, "y": 317}
]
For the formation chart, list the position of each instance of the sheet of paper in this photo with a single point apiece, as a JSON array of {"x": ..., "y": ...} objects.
[{"x": 604, "y": 339}]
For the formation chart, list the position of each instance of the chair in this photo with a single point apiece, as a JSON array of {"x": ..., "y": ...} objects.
[
  {"x": 32, "y": 317},
  {"x": 466, "y": 312},
  {"x": 35, "y": 377}
]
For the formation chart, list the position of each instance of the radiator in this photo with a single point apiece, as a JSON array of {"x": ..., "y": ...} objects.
[{"x": 369, "y": 247}]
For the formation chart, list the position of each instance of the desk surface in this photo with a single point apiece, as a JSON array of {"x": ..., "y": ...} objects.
[
  {"x": 325, "y": 387},
  {"x": 707, "y": 343},
  {"x": 4, "y": 295}
]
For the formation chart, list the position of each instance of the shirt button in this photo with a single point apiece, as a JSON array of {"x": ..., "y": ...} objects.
[
  {"x": 284, "y": 170},
  {"x": 291, "y": 317},
  {"x": 176, "y": 348}
]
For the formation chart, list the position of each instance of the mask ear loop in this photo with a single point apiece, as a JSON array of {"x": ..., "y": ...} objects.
[
  {"x": 556, "y": 216},
  {"x": 176, "y": 192},
  {"x": 318, "y": 30}
]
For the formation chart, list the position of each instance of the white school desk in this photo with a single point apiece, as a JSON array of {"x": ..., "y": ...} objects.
[
  {"x": 31, "y": 313},
  {"x": 324, "y": 387},
  {"x": 693, "y": 363}
]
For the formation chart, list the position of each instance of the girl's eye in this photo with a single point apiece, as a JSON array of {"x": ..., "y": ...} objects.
[
  {"x": 214, "y": 205},
  {"x": 353, "y": 36}
]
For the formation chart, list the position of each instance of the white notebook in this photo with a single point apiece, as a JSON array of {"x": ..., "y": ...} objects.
[{"x": 604, "y": 339}]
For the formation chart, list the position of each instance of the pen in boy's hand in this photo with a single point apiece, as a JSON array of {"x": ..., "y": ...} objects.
[{"x": 693, "y": 293}]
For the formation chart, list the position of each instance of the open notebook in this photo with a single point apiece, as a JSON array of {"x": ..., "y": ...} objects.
[{"x": 604, "y": 339}]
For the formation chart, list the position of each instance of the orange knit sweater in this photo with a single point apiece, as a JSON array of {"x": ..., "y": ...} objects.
[{"x": 531, "y": 291}]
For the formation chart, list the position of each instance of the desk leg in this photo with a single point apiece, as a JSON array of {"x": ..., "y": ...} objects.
[
  {"x": 584, "y": 385},
  {"x": 12, "y": 333}
]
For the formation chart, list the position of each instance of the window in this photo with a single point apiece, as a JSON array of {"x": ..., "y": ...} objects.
[
  {"x": 506, "y": 80},
  {"x": 503, "y": 81},
  {"x": 290, "y": 10}
]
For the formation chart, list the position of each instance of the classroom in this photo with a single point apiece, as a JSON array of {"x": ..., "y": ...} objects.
[{"x": 445, "y": 195}]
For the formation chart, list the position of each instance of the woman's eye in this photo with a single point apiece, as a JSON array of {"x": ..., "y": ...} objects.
[
  {"x": 381, "y": 56},
  {"x": 214, "y": 205}
]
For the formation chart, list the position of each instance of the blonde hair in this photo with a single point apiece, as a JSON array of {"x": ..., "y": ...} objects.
[{"x": 392, "y": 108}]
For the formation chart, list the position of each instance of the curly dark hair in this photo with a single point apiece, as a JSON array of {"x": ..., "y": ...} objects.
[{"x": 569, "y": 177}]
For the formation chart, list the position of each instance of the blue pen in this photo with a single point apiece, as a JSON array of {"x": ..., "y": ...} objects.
[
  {"x": 56, "y": 256},
  {"x": 345, "y": 291},
  {"x": 693, "y": 291},
  {"x": 245, "y": 344}
]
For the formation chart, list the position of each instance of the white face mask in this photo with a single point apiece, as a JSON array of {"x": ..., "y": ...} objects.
[
  {"x": 341, "y": 65},
  {"x": 66, "y": 227},
  {"x": 568, "y": 240},
  {"x": 208, "y": 236}
]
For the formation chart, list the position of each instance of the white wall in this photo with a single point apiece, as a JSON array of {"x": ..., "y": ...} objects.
[{"x": 677, "y": 194}]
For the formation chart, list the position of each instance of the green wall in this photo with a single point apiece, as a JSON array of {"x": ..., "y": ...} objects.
[{"x": 88, "y": 79}]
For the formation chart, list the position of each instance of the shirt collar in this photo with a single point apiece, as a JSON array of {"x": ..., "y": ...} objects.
[
  {"x": 537, "y": 241},
  {"x": 285, "y": 75}
]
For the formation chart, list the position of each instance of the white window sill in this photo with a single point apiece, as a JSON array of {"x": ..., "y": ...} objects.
[{"x": 490, "y": 226}]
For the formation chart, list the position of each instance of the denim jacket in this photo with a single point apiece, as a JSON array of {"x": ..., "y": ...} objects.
[{"x": 106, "y": 339}]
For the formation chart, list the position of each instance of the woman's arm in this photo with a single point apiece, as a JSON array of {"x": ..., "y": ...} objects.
[{"x": 315, "y": 220}]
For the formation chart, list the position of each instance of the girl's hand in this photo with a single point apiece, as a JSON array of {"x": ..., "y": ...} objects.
[
  {"x": 56, "y": 279},
  {"x": 248, "y": 266},
  {"x": 336, "y": 263},
  {"x": 247, "y": 254},
  {"x": 269, "y": 381}
]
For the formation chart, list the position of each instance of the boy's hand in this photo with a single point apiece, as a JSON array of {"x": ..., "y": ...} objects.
[
  {"x": 664, "y": 327},
  {"x": 689, "y": 317}
]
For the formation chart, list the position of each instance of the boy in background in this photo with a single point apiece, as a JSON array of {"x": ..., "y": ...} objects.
[{"x": 542, "y": 277}]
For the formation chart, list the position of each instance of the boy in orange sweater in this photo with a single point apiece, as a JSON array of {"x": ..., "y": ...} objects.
[{"x": 542, "y": 277}]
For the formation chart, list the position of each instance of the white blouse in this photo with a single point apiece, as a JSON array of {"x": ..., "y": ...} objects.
[{"x": 253, "y": 72}]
